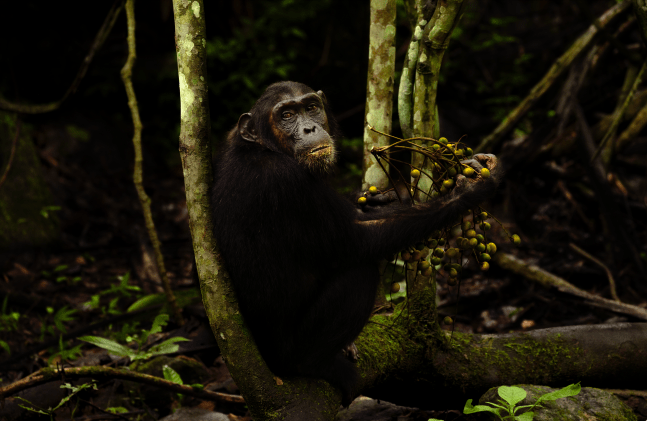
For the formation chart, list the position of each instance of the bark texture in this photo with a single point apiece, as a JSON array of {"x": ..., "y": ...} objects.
[{"x": 379, "y": 89}]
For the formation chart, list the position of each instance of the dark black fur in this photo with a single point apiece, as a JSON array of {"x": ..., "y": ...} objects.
[{"x": 303, "y": 264}]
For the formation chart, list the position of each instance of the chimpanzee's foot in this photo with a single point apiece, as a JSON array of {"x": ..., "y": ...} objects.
[{"x": 350, "y": 352}]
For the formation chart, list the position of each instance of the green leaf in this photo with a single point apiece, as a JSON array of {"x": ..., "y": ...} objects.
[
  {"x": 63, "y": 315},
  {"x": 38, "y": 411},
  {"x": 33, "y": 408},
  {"x": 5, "y": 346},
  {"x": 147, "y": 301},
  {"x": 528, "y": 416},
  {"x": 171, "y": 375},
  {"x": 117, "y": 410},
  {"x": 111, "y": 346},
  {"x": 469, "y": 409},
  {"x": 570, "y": 390},
  {"x": 160, "y": 321},
  {"x": 74, "y": 391},
  {"x": 512, "y": 394},
  {"x": 497, "y": 405},
  {"x": 168, "y": 346},
  {"x": 93, "y": 303}
]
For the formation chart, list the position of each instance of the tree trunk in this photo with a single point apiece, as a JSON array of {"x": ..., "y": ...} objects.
[{"x": 379, "y": 89}]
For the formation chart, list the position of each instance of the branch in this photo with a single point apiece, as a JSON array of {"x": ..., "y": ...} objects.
[
  {"x": 618, "y": 114},
  {"x": 561, "y": 64},
  {"x": 548, "y": 280},
  {"x": 640, "y": 10},
  {"x": 423, "y": 363},
  {"x": 405, "y": 91},
  {"x": 99, "y": 39},
  {"x": 615, "y": 225},
  {"x": 47, "y": 375},
  {"x": 434, "y": 43},
  {"x": 138, "y": 176},
  {"x": 612, "y": 282}
]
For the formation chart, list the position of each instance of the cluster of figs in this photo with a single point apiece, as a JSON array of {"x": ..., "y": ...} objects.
[{"x": 440, "y": 253}]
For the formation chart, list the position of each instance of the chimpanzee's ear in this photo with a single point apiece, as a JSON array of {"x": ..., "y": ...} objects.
[
  {"x": 322, "y": 96},
  {"x": 245, "y": 129}
]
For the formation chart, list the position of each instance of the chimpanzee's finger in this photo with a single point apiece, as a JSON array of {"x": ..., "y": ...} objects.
[
  {"x": 473, "y": 163},
  {"x": 487, "y": 160}
]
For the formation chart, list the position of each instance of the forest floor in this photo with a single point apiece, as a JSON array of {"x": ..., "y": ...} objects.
[{"x": 103, "y": 265}]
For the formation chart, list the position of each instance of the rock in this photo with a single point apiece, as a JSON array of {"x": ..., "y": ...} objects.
[
  {"x": 367, "y": 409},
  {"x": 589, "y": 405}
]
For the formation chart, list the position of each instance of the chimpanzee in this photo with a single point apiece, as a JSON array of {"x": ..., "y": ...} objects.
[{"x": 302, "y": 258}]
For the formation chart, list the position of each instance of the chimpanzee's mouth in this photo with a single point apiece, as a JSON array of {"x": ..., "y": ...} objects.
[{"x": 319, "y": 149}]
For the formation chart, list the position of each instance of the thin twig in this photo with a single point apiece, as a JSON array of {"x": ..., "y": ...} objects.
[
  {"x": 47, "y": 375},
  {"x": 13, "y": 152},
  {"x": 612, "y": 282},
  {"x": 561, "y": 64},
  {"x": 138, "y": 171},
  {"x": 620, "y": 112},
  {"x": 614, "y": 224},
  {"x": 548, "y": 280},
  {"x": 99, "y": 39}
]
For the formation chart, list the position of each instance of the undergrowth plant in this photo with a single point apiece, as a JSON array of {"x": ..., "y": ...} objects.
[
  {"x": 169, "y": 346},
  {"x": 512, "y": 395}
]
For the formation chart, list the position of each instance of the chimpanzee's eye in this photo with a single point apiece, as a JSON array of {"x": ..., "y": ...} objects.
[
  {"x": 312, "y": 107},
  {"x": 286, "y": 115}
]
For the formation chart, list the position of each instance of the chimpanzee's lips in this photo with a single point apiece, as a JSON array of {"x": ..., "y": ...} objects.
[{"x": 319, "y": 149}]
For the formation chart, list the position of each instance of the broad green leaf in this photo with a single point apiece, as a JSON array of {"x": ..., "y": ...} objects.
[
  {"x": 528, "y": 416},
  {"x": 570, "y": 390},
  {"x": 168, "y": 346},
  {"x": 469, "y": 409},
  {"x": 147, "y": 301},
  {"x": 171, "y": 375},
  {"x": 512, "y": 394},
  {"x": 111, "y": 346}
]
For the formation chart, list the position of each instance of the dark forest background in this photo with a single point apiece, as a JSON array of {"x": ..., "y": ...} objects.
[{"x": 501, "y": 49}]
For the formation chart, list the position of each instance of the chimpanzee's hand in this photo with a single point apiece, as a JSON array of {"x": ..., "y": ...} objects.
[
  {"x": 375, "y": 202},
  {"x": 478, "y": 162}
]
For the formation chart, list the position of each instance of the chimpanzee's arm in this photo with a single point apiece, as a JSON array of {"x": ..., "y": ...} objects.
[{"x": 397, "y": 227}]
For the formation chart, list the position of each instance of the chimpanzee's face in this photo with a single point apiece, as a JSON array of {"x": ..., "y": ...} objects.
[{"x": 300, "y": 126}]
